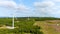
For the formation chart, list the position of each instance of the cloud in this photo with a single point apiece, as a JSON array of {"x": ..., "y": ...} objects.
[
  {"x": 9, "y": 4},
  {"x": 53, "y": 0},
  {"x": 5, "y": 0},
  {"x": 44, "y": 4},
  {"x": 56, "y": 0},
  {"x": 23, "y": 8},
  {"x": 43, "y": 8},
  {"x": 13, "y": 5},
  {"x": 46, "y": 8}
]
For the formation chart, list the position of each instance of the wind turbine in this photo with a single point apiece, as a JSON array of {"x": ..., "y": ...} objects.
[{"x": 11, "y": 27}]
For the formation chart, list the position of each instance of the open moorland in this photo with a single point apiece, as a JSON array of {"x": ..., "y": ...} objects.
[{"x": 30, "y": 25}]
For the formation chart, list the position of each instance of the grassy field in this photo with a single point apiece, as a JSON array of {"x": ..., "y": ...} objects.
[{"x": 49, "y": 28}]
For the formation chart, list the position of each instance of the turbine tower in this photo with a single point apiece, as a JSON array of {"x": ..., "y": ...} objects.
[
  {"x": 13, "y": 22},
  {"x": 11, "y": 27}
]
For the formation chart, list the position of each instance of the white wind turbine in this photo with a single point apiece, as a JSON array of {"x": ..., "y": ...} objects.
[
  {"x": 11, "y": 27},
  {"x": 13, "y": 20}
]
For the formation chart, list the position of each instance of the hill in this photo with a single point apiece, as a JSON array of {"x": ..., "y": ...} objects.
[{"x": 29, "y": 25}]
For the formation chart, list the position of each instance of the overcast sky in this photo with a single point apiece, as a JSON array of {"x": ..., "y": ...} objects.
[{"x": 35, "y": 8}]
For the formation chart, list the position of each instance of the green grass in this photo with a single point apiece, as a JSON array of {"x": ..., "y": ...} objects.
[{"x": 24, "y": 26}]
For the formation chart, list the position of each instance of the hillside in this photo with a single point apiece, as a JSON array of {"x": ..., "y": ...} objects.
[
  {"x": 30, "y": 25},
  {"x": 49, "y": 27}
]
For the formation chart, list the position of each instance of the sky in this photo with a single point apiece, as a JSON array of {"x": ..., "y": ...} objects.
[{"x": 30, "y": 8}]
